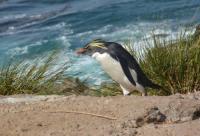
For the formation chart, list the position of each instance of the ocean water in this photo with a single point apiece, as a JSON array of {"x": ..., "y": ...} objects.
[{"x": 33, "y": 28}]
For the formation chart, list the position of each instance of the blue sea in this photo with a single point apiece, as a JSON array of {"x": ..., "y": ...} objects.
[{"x": 31, "y": 29}]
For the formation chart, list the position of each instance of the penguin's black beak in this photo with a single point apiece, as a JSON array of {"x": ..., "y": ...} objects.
[{"x": 81, "y": 51}]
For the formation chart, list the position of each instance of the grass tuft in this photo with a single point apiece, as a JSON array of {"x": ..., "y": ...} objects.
[
  {"x": 36, "y": 78},
  {"x": 175, "y": 65}
]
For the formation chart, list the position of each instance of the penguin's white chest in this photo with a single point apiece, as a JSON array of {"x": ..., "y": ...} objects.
[{"x": 114, "y": 69}]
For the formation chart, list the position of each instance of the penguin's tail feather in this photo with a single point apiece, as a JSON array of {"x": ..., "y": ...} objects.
[
  {"x": 158, "y": 87},
  {"x": 155, "y": 86}
]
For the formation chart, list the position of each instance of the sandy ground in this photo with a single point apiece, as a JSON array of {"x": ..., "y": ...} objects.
[{"x": 25, "y": 115}]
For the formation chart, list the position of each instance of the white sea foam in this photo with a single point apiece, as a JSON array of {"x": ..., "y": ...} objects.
[
  {"x": 23, "y": 50},
  {"x": 135, "y": 31},
  {"x": 17, "y": 16},
  {"x": 64, "y": 40},
  {"x": 17, "y": 30}
]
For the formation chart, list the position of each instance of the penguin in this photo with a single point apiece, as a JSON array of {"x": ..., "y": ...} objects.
[{"x": 119, "y": 64}]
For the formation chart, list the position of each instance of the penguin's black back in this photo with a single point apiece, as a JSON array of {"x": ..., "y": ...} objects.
[{"x": 117, "y": 51}]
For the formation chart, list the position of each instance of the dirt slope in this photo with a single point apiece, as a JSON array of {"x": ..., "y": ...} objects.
[{"x": 27, "y": 115}]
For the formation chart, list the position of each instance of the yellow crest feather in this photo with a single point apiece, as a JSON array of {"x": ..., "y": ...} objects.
[{"x": 98, "y": 43}]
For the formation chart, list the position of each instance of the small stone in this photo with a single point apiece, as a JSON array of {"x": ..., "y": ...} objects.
[
  {"x": 24, "y": 129},
  {"x": 39, "y": 124},
  {"x": 155, "y": 116},
  {"x": 140, "y": 122},
  {"x": 78, "y": 125}
]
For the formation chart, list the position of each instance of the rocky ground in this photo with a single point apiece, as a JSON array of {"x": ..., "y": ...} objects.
[{"x": 26, "y": 115}]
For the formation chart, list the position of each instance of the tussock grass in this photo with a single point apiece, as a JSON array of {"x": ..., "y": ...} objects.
[
  {"x": 108, "y": 89},
  {"x": 173, "y": 64},
  {"x": 36, "y": 78}
]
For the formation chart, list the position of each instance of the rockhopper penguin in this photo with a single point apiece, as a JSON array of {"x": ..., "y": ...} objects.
[{"x": 119, "y": 65}]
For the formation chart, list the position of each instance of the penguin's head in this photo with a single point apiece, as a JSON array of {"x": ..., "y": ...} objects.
[{"x": 95, "y": 46}]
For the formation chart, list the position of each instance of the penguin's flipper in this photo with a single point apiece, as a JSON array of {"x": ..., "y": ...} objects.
[{"x": 124, "y": 66}]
